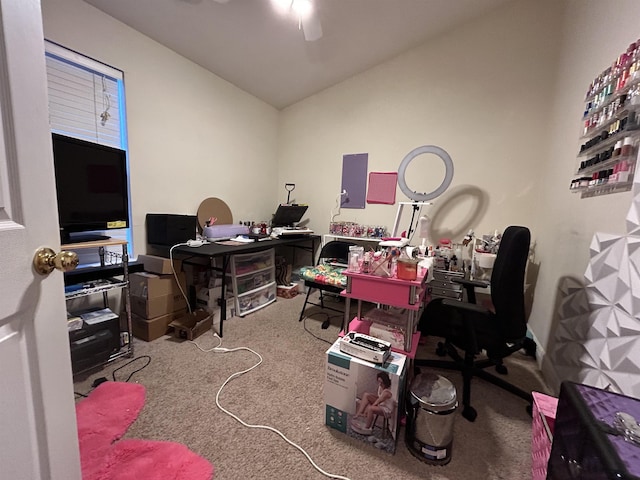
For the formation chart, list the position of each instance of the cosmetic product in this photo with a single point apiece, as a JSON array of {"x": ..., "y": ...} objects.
[
  {"x": 627, "y": 147},
  {"x": 617, "y": 148}
]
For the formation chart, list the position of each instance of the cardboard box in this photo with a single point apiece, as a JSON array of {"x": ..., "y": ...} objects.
[
  {"x": 150, "y": 285},
  {"x": 346, "y": 382},
  {"x": 388, "y": 325},
  {"x": 208, "y": 297},
  {"x": 157, "y": 306},
  {"x": 192, "y": 325},
  {"x": 287, "y": 291},
  {"x": 152, "y": 328},
  {"x": 196, "y": 275},
  {"x": 216, "y": 313},
  {"x": 159, "y": 265}
]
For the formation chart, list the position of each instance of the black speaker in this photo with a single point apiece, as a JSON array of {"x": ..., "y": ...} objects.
[{"x": 166, "y": 229}]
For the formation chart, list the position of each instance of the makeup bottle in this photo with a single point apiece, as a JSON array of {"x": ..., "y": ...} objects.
[
  {"x": 617, "y": 149},
  {"x": 627, "y": 147},
  {"x": 623, "y": 172}
]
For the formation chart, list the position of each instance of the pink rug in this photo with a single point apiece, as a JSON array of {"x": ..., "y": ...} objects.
[{"x": 104, "y": 417}]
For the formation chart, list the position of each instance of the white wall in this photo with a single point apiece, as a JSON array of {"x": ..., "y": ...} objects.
[
  {"x": 503, "y": 95},
  {"x": 483, "y": 92},
  {"x": 192, "y": 135},
  {"x": 593, "y": 35}
]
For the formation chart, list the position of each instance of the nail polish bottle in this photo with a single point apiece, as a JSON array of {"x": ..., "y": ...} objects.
[
  {"x": 617, "y": 148},
  {"x": 627, "y": 147}
]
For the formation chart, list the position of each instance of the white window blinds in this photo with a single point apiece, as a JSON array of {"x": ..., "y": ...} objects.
[{"x": 84, "y": 97}]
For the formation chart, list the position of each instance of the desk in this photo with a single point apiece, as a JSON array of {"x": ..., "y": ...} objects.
[
  {"x": 407, "y": 294},
  {"x": 216, "y": 250}
]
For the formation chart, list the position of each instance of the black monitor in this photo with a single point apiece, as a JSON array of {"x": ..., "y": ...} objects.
[
  {"x": 288, "y": 215},
  {"x": 91, "y": 186}
]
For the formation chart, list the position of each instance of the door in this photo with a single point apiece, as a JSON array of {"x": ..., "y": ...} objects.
[{"x": 38, "y": 438}]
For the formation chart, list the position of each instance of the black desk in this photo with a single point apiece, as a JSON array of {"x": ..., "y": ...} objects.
[{"x": 213, "y": 250}]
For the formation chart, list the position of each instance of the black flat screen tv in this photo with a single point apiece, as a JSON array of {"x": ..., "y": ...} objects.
[{"x": 92, "y": 188}]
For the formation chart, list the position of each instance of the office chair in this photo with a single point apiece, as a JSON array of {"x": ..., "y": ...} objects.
[
  {"x": 473, "y": 328},
  {"x": 327, "y": 275}
]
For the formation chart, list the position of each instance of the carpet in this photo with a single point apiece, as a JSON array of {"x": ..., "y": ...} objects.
[{"x": 104, "y": 417}]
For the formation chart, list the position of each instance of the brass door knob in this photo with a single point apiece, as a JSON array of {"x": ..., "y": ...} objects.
[{"x": 45, "y": 260}]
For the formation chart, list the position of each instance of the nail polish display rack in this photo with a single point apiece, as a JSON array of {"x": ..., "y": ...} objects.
[{"x": 611, "y": 129}]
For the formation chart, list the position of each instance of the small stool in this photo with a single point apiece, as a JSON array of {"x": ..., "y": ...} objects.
[{"x": 385, "y": 425}]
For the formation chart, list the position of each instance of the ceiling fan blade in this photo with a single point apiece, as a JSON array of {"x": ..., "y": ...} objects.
[{"x": 311, "y": 28}]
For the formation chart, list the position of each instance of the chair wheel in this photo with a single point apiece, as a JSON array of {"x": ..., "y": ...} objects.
[
  {"x": 530, "y": 410},
  {"x": 441, "y": 351},
  {"x": 325, "y": 324},
  {"x": 501, "y": 369},
  {"x": 469, "y": 413}
]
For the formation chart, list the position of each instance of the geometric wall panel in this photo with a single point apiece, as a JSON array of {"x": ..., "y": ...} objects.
[{"x": 597, "y": 340}]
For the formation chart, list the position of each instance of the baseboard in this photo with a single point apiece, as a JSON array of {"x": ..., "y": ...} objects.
[{"x": 546, "y": 367}]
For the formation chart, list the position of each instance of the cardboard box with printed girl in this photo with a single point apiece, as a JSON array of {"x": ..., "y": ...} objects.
[{"x": 362, "y": 398}]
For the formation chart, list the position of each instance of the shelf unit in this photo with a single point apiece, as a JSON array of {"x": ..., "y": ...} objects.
[
  {"x": 101, "y": 280},
  {"x": 373, "y": 241},
  {"x": 611, "y": 129},
  {"x": 253, "y": 280},
  {"x": 405, "y": 294}
]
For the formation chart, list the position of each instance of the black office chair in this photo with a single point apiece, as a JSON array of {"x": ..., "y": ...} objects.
[
  {"x": 473, "y": 328},
  {"x": 327, "y": 275}
]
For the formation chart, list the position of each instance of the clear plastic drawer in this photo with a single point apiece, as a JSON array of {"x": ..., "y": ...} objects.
[
  {"x": 251, "y": 262},
  {"x": 255, "y": 280},
  {"x": 256, "y": 299}
]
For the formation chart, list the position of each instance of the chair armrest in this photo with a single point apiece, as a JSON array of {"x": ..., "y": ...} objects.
[
  {"x": 471, "y": 283},
  {"x": 472, "y": 307},
  {"x": 468, "y": 321},
  {"x": 469, "y": 286}
]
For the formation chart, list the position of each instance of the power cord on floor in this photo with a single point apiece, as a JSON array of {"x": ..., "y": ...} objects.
[
  {"x": 175, "y": 274},
  {"x": 329, "y": 317},
  {"x": 98, "y": 381},
  {"x": 219, "y": 349},
  {"x": 147, "y": 357}
]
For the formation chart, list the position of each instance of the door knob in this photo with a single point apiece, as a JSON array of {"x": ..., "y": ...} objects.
[{"x": 45, "y": 260}]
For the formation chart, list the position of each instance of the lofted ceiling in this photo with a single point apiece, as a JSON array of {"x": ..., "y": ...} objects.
[{"x": 249, "y": 44}]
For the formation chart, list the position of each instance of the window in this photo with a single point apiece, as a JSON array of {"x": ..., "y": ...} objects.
[{"x": 86, "y": 101}]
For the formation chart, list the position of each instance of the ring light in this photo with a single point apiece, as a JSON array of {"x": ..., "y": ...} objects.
[{"x": 448, "y": 175}]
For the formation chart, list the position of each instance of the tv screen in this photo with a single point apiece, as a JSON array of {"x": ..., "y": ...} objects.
[{"x": 92, "y": 188}]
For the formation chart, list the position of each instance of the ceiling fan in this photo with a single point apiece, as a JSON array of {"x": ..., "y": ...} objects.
[{"x": 303, "y": 11}]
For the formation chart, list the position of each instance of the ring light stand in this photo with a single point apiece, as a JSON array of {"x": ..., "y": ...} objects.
[{"x": 421, "y": 198}]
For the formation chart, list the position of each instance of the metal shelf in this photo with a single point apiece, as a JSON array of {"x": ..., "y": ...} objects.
[
  {"x": 99, "y": 286},
  {"x": 100, "y": 280}
]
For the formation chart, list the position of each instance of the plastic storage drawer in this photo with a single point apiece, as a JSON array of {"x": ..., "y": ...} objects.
[
  {"x": 252, "y": 262},
  {"x": 251, "y": 281},
  {"x": 256, "y": 299}
]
